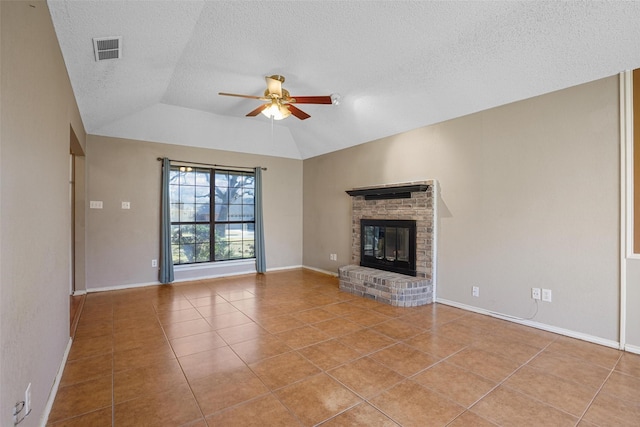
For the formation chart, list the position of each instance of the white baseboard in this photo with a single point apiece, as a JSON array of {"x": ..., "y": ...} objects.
[
  {"x": 632, "y": 348},
  {"x": 319, "y": 270},
  {"x": 120, "y": 287},
  {"x": 537, "y": 325},
  {"x": 78, "y": 293},
  {"x": 56, "y": 384},
  {"x": 252, "y": 270},
  {"x": 290, "y": 267}
]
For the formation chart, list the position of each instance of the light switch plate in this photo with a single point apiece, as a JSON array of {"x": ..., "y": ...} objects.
[{"x": 95, "y": 204}]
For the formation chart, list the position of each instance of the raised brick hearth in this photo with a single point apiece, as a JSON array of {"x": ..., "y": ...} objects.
[
  {"x": 393, "y": 288},
  {"x": 387, "y": 287}
]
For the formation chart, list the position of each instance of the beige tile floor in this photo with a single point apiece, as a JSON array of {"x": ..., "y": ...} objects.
[{"x": 290, "y": 349}]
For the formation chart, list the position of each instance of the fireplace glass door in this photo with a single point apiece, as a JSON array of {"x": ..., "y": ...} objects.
[{"x": 389, "y": 245}]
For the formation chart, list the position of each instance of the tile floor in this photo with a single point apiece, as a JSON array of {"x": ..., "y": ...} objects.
[{"x": 290, "y": 349}]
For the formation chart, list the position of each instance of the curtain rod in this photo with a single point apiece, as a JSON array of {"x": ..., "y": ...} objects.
[{"x": 209, "y": 164}]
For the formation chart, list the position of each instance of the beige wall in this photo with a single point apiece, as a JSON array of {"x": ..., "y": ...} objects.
[
  {"x": 37, "y": 107},
  {"x": 122, "y": 243},
  {"x": 529, "y": 198}
]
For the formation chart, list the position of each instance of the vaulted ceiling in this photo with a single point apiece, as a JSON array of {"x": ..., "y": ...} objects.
[{"x": 397, "y": 65}]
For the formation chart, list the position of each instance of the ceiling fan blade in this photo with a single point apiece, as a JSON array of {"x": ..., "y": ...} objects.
[
  {"x": 257, "y": 110},
  {"x": 274, "y": 86},
  {"x": 262, "y": 98},
  {"x": 311, "y": 99},
  {"x": 297, "y": 112}
]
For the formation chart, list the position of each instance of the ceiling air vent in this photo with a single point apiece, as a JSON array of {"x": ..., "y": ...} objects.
[{"x": 107, "y": 48}]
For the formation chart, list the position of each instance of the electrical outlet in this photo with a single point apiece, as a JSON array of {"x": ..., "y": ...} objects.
[
  {"x": 333, "y": 257},
  {"x": 475, "y": 291},
  {"x": 154, "y": 263},
  {"x": 95, "y": 204},
  {"x": 27, "y": 400},
  {"x": 126, "y": 205},
  {"x": 535, "y": 293},
  {"x": 546, "y": 295}
]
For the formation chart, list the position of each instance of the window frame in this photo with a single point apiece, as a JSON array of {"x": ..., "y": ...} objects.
[{"x": 246, "y": 187}]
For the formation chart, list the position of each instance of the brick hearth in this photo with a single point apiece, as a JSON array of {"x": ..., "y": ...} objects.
[{"x": 387, "y": 287}]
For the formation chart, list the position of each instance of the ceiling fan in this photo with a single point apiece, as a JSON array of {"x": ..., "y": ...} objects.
[{"x": 279, "y": 103}]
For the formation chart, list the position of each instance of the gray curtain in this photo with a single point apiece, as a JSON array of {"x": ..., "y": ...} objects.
[
  {"x": 261, "y": 263},
  {"x": 166, "y": 261}
]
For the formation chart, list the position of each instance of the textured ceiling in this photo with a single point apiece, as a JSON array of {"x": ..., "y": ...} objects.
[{"x": 398, "y": 65}]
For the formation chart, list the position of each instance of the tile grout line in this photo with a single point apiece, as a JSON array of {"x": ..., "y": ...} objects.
[
  {"x": 600, "y": 388},
  {"x": 272, "y": 392},
  {"x": 269, "y": 390},
  {"x": 360, "y": 357},
  {"x": 466, "y": 409},
  {"x": 322, "y": 371},
  {"x": 339, "y": 413},
  {"x": 405, "y": 378},
  {"x": 500, "y": 383},
  {"x": 156, "y": 314},
  {"x": 367, "y": 355}
]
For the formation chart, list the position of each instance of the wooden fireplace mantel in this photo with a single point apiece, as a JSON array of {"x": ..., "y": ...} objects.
[{"x": 389, "y": 192}]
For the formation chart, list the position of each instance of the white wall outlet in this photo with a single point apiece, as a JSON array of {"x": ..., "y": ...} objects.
[
  {"x": 27, "y": 400},
  {"x": 546, "y": 295},
  {"x": 333, "y": 257},
  {"x": 95, "y": 204},
  {"x": 126, "y": 205},
  {"x": 535, "y": 293},
  {"x": 475, "y": 291},
  {"x": 154, "y": 263}
]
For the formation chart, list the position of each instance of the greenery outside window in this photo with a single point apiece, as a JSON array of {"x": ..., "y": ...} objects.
[{"x": 212, "y": 215}]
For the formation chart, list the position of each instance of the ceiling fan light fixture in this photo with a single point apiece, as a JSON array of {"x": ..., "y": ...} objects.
[{"x": 276, "y": 111}]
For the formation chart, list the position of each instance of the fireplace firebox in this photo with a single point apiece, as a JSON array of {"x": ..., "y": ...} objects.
[{"x": 388, "y": 245}]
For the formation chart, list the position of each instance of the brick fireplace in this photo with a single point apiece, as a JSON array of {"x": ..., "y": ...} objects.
[{"x": 407, "y": 201}]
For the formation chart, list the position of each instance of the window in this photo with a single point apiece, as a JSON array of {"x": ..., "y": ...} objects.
[{"x": 212, "y": 215}]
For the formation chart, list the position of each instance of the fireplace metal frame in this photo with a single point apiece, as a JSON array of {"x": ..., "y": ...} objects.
[{"x": 402, "y": 267}]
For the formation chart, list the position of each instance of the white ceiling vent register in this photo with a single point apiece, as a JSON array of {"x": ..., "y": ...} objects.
[{"x": 107, "y": 48}]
